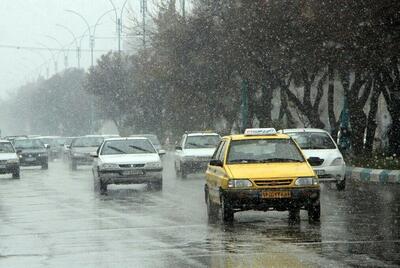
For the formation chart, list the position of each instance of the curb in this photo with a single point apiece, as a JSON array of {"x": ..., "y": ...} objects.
[{"x": 381, "y": 176}]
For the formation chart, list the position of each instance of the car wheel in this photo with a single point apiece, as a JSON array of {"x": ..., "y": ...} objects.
[
  {"x": 15, "y": 174},
  {"x": 227, "y": 214},
  {"x": 341, "y": 185},
  {"x": 45, "y": 166},
  {"x": 157, "y": 185},
  {"x": 212, "y": 209},
  {"x": 294, "y": 215},
  {"x": 183, "y": 173},
  {"x": 314, "y": 211},
  {"x": 73, "y": 165}
]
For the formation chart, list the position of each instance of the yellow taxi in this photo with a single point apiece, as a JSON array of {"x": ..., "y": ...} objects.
[{"x": 260, "y": 170}]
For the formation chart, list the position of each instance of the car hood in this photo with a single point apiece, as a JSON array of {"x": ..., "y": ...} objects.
[
  {"x": 199, "y": 152},
  {"x": 84, "y": 149},
  {"x": 270, "y": 170},
  {"x": 32, "y": 151},
  {"x": 8, "y": 156},
  {"x": 129, "y": 158},
  {"x": 327, "y": 155}
]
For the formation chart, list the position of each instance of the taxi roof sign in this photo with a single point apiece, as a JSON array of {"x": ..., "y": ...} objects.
[{"x": 260, "y": 131}]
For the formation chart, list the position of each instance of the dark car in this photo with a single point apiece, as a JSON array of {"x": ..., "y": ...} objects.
[
  {"x": 32, "y": 152},
  {"x": 80, "y": 149}
]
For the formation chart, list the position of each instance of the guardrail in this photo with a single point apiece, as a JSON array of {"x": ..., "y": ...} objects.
[{"x": 381, "y": 176}]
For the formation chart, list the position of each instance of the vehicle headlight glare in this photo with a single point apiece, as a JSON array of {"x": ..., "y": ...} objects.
[
  {"x": 307, "y": 181},
  {"x": 337, "y": 162},
  {"x": 242, "y": 183}
]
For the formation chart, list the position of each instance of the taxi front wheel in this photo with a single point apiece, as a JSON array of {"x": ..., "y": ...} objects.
[
  {"x": 226, "y": 210},
  {"x": 314, "y": 211}
]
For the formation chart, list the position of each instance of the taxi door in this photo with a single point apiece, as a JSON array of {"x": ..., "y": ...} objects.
[{"x": 216, "y": 173}]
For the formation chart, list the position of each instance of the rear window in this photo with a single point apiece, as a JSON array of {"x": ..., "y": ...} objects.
[{"x": 6, "y": 147}]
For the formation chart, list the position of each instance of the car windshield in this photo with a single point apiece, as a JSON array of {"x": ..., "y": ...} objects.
[
  {"x": 313, "y": 140},
  {"x": 134, "y": 146},
  {"x": 28, "y": 144},
  {"x": 203, "y": 141},
  {"x": 153, "y": 138},
  {"x": 87, "y": 142},
  {"x": 6, "y": 147},
  {"x": 263, "y": 151}
]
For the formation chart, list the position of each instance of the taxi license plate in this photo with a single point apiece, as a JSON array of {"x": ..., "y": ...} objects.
[
  {"x": 276, "y": 194},
  {"x": 30, "y": 159},
  {"x": 133, "y": 172}
]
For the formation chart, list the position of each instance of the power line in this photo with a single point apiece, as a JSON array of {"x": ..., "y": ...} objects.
[{"x": 47, "y": 49}]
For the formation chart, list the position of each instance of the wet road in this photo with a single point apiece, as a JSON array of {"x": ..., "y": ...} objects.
[{"x": 54, "y": 219}]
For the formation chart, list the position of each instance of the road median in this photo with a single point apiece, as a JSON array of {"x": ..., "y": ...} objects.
[{"x": 368, "y": 175}]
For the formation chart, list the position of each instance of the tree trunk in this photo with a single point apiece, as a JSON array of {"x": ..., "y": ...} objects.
[
  {"x": 371, "y": 121},
  {"x": 331, "y": 104}
]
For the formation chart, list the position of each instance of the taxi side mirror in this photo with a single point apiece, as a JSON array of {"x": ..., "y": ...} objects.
[
  {"x": 216, "y": 163},
  {"x": 315, "y": 161},
  {"x": 94, "y": 154}
]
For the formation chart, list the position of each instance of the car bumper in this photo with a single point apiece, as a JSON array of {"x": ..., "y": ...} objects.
[
  {"x": 254, "y": 200},
  {"x": 37, "y": 161},
  {"x": 330, "y": 173},
  {"x": 194, "y": 165},
  {"x": 120, "y": 177},
  {"x": 8, "y": 168}
]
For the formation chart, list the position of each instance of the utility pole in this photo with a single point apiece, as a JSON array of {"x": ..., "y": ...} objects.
[
  {"x": 78, "y": 49},
  {"x": 143, "y": 9},
  {"x": 183, "y": 8},
  {"x": 118, "y": 21}
]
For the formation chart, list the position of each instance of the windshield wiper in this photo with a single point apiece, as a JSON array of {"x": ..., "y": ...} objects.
[
  {"x": 195, "y": 145},
  {"x": 116, "y": 149},
  {"x": 140, "y": 148},
  {"x": 244, "y": 161},
  {"x": 277, "y": 160}
]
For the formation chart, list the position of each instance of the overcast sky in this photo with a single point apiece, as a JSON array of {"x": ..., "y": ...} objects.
[{"x": 28, "y": 23}]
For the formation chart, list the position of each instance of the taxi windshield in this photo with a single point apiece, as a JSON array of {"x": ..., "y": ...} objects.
[
  {"x": 313, "y": 140},
  {"x": 264, "y": 151},
  {"x": 205, "y": 141}
]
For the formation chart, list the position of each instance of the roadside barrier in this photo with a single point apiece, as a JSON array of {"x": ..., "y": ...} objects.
[{"x": 381, "y": 176}]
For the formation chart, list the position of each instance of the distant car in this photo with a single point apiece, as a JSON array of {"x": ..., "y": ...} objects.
[
  {"x": 153, "y": 138},
  {"x": 194, "y": 152},
  {"x": 9, "y": 161},
  {"x": 80, "y": 149},
  {"x": 53, "y": 146},
  {"x": 12, "y": 138},
  {"x": 131, "y": 160},
  {"x": 32, "y": 152},
  {"x": 317, "y": 143}
]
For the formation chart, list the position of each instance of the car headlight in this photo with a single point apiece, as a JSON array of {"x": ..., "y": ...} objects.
[
  {"x": 13, "y": 161},
  {"x": 306, "y": 181},
  {"x": 42, "y": 154},
  {"x": 153, "y": 165},
  {"x": 241, "y": 183},
  {"x": 337, "y": 162},
  {"x": 109, "y": 166}
]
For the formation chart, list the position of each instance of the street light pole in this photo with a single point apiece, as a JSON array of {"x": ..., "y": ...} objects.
[
  {"x": 53, "y": 56},
  {"x": 78, "y": 49},
  {"x": 91, "y": 39},
  {"x": 62, "y": 49},
  {"x": 118, "y": 21}
]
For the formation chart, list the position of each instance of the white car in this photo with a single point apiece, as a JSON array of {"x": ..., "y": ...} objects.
[
  {"x": 9, "y": 160},
  {"x": 127, "y": 161},
  {"x": 194, "y": 152},
  {"x": 318, "y": 144}
]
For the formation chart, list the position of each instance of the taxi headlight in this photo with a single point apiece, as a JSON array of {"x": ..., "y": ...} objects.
[
  {"x": 109, "y": 166},
  {"x": 337, "y": 162},
  {"x": 13, "y": 161},
  {"x": 306, "y": 181},
  {"x": 239, "y": 183},
  {"x": 153, "y": 165}
]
